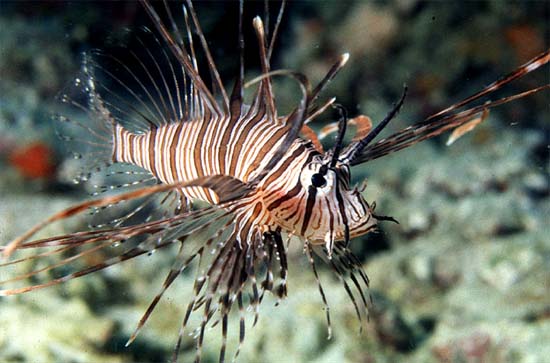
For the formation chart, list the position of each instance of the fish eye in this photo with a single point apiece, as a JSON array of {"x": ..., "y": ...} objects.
[{"x": 318, "y": 180}]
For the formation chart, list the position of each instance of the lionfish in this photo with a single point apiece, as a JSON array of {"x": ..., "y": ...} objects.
[{"x": 230, "y": 183}]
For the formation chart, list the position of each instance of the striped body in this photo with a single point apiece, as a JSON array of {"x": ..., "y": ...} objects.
[{"x": 184, "y": 151}]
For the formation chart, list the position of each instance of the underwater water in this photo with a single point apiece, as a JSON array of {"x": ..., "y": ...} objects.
[{"x": 464, "y": 276}]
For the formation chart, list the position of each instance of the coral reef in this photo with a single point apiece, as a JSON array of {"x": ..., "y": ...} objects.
[{"x": 465, "y": 275}]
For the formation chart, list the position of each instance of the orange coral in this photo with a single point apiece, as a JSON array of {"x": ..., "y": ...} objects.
[{"x": 34, "y": 160}]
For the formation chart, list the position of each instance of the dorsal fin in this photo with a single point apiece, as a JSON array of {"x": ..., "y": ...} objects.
[
  {"x": 184, "y": 58},
  {"x": 275, "y": 30},
  {"x": 211, "y": 64},
  {"x": 237, "y": 93},
  {"x": 446, "y": 119},
  {"x": 267, "y": 94}
]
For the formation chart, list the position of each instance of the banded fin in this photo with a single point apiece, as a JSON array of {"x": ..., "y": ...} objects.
[
  {"x": 349, "y": 271},
  {"x": 226, "y": 279},
  {"x": 123, "y": 243},
  {"x": 218, "y": 183},
  {"x": 467, "y": 127},
  {"x": 451, "y": 118}
]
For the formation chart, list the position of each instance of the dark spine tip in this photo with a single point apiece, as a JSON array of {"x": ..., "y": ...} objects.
[{"x": 360, "y": 145}]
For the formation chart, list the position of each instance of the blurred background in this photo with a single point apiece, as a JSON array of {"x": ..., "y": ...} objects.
[{"x": 465, "y": 275}]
